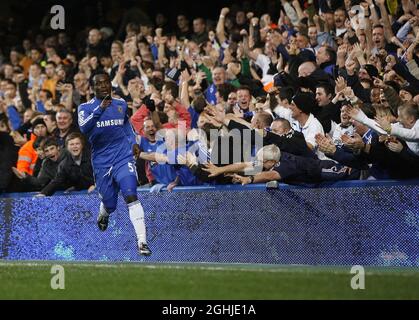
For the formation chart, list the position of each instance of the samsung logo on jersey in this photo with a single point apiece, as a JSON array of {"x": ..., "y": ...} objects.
[{"x": 109, "y": 123}]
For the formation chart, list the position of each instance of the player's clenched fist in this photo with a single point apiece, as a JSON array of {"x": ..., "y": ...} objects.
[{"x": 106, "y": 102}]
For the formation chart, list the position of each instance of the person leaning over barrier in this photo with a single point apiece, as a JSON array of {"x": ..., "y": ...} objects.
[{"x": 272, "y": 164}]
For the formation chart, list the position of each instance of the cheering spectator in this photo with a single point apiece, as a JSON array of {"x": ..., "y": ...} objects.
[
  {"x": 49, "y": 167},
  {"x": 75, "y": 169},
  {"x": 65, "y": 125}
]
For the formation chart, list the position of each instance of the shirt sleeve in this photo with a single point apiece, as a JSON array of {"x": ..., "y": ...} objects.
[
  {"x": 87, "y": 118},
  {"x": 370, "y": 123},
  {"x": 41, "y": 180},
  {"x": 14, "y": 117},
  {"x": 291, "y": 13},
  {"x": 403, "y": 31},
  {"x": 411, "y": 135}
]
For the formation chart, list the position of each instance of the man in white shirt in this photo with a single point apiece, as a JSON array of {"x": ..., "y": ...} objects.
[
  {"x": 301, "y": 106},
  {"x": 340, "y": 18},
  {"x": 298, "y": 113}
]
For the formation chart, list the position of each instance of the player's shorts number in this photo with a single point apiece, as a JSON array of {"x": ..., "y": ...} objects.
[{"x": 131, "y": 167}]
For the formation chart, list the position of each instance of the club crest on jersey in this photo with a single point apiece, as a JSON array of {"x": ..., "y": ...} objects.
[{"x": 120, "y": 109}]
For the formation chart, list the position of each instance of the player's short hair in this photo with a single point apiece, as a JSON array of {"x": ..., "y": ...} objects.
[
  {"x": 100, "y": 73},
  {"x": 75, "y": 135}
]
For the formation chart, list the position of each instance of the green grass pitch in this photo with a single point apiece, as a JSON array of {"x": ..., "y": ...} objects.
[{"x": 31, "y": 280}]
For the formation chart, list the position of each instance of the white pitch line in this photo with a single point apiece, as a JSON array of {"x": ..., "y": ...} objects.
[{"x": 249, "y": 268}]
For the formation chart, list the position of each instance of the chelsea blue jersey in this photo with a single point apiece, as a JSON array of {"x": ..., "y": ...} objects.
[{"x": 109, "y": 132}]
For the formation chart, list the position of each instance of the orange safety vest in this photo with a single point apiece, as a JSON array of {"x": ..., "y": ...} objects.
[{"x": 27, "y": 157}]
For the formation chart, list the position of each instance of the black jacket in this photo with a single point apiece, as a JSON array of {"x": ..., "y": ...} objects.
[
  {"x": 403, "y": 165},
  {"x": 46, "y": 174},
  {"x": 327, "y": 114},
  {"x": 70, "y": 174},
  {"x": 293, "y": 142}
]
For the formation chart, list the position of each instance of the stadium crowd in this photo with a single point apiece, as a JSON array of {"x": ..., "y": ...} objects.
[{"x": 314, "y": 90}]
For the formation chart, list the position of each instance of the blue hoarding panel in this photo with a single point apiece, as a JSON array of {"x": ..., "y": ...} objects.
[{"x": 376, "y": 224}]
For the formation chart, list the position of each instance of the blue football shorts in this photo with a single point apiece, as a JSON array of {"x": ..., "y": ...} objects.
[{"x": 109, "y": 181}]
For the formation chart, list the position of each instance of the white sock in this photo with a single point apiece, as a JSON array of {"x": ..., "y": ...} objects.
[
  {"x": 136, "y": 214},
  {"x": 103, "y": 211}
]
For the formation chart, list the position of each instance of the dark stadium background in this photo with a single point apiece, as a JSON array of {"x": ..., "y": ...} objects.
[{"x": 17, "y": 17}]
